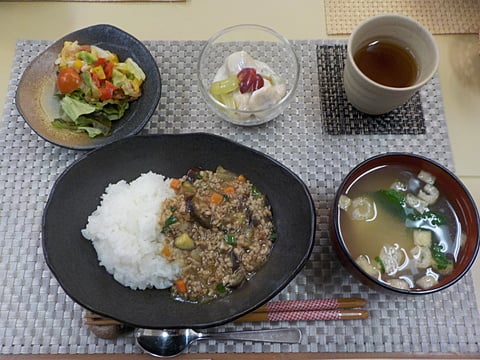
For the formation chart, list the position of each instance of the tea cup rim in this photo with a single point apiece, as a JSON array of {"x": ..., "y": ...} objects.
[{"x": 428, "y": 34}]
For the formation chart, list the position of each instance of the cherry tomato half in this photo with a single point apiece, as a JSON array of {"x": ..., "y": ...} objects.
[{"x": 68, "y": 80}]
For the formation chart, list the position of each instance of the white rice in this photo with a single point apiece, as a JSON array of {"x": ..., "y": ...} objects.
[{"x": 125, "y": 232}]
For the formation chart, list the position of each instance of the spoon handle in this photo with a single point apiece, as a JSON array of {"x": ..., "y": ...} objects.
[{"x": 291, "y": 336}]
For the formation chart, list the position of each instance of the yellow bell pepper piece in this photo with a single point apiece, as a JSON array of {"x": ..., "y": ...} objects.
[
  {"x": 78, "y": 64},
  {"x": 98, "y": 70}
]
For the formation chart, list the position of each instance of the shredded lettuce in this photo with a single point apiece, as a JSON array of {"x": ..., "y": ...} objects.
[
  {"x": 95, "y": 119},
  {"x": 92, "y": 126}
]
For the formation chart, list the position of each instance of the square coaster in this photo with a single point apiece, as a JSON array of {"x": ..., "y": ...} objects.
[{"x": 341, "y": 118}]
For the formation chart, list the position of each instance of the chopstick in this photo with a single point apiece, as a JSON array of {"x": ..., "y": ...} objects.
[
  {"x": 338, "y": 314},
  {"x": 316, "y": 309},
  {"x": 311, "y": 305},
  {"x": 291, "y": 310}
]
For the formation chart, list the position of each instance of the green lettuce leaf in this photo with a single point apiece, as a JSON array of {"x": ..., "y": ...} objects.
[
  {"x": 74, "y": 108},
  {"x": 130, "y": 67}
]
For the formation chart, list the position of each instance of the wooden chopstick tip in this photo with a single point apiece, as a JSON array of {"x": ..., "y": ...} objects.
[{"x": 354, "y": 302}]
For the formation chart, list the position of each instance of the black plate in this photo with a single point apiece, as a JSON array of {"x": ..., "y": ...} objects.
[
  {"x": 38, "y": 105},
  {"x": 76, "y": 194}
]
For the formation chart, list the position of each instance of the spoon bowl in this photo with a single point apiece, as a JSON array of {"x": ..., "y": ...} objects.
[{"x": 172, "y": 342}]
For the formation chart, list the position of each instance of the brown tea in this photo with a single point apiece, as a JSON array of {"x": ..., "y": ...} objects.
[{"x": 387, "y": 63}]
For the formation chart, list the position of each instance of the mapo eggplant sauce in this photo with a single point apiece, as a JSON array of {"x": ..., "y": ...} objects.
[{"x": 219, "y": 227}]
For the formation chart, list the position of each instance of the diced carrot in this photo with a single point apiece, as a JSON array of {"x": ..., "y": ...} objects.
[
  {"x": 166, "y": 251},
  {"x": 242, "y": 178},
  {"x": 229, "y": 190},
  {"x": 175, "y": 184},
  {"x": 216, "y": 198},
  {"x": 181, "y": 286}
]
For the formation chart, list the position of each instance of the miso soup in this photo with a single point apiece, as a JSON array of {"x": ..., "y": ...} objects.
[{"x": 400, "y": 227}]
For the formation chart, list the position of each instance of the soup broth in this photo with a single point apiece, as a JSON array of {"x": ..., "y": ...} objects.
[{"x": 400, "y": 227}]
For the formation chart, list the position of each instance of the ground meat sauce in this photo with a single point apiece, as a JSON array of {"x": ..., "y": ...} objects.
[{"x": 219, "y": 227}]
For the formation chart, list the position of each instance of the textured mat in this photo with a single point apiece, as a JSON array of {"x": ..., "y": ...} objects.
[
  {"x": 37, "y": 317},
  {"x": 439, "y": 16},
  {"x": 339, "y": 117}
]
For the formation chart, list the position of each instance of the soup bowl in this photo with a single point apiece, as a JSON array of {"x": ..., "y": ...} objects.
[{"x": 415, "y": 264}]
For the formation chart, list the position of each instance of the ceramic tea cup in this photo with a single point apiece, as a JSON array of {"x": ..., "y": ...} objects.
[{"x": 394, "y": 47}]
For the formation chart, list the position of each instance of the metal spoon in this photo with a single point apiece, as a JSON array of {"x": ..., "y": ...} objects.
[{"x": 172, "y": 342}]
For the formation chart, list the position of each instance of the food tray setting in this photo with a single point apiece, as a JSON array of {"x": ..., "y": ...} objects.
[{"x": 37, "y": 317}]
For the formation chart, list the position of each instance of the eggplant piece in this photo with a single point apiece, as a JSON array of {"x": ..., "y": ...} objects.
[
  {"x": 193, "y": 174},
  {"x": 235, "y": 261},
  {"x": 203, "y": 219},
  {"x": 224, "y": 174},
  {"x": 188, "y": 190},
  {"x": 252, "y": 220}
]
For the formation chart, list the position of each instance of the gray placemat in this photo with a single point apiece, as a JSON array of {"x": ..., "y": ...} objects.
[{"x": 37, "y": 317}]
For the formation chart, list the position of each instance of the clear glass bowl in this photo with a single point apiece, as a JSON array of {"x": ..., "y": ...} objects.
[{"x": 263, "y": 44}]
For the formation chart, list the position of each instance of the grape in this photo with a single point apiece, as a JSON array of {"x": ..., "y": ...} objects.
[
  {"x": 225, "y": 86},
  {"x": 258, "y": 82},
  {"x": 249, "y": 80},
  {"x": 227, "y": 100}
]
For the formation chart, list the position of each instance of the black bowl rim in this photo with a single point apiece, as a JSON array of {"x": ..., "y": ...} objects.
[
  {"x": 97, "y": 142},
  {"x": 208, "y": 324},
  {"x": 344, "y": 248}
]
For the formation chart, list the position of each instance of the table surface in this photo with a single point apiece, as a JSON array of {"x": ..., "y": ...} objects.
[{"x": 459, "y": 71}]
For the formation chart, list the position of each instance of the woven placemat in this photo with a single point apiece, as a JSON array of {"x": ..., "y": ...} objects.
[
  {"x": 36, "y": 316},
  {"x": 438, "y": 16},
  {"x": 340, "y": 117}
]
